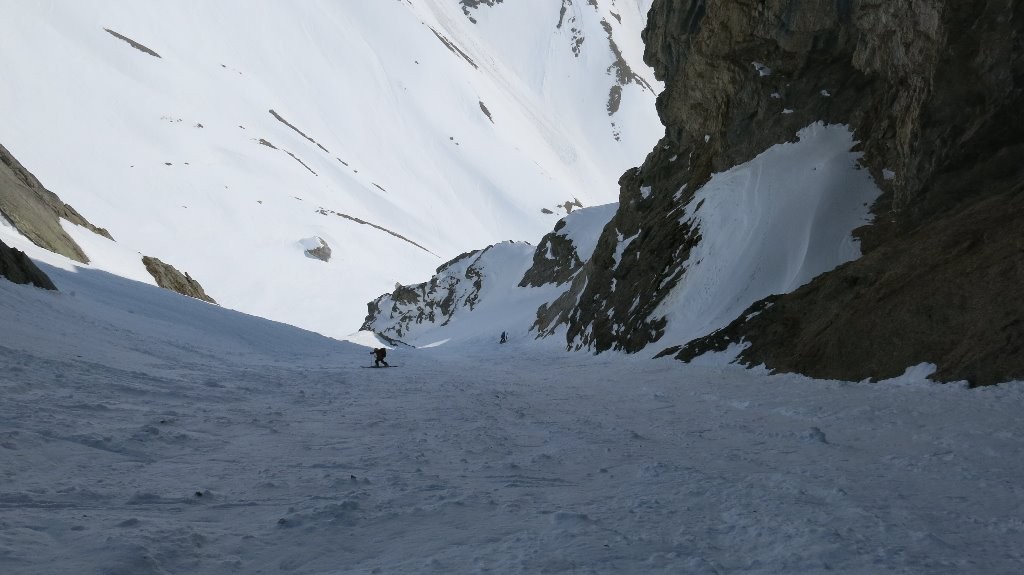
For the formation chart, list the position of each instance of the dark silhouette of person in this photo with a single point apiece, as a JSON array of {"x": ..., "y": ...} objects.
[
  {"x": 504, "y": 338},
  {"x": 380, "y": 353}
]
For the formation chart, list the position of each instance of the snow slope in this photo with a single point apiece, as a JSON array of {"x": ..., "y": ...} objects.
[
  {"x": 219, "y": 136},
  {"x": 766, "y": 226},
  {"x": 145, "y": 432}
]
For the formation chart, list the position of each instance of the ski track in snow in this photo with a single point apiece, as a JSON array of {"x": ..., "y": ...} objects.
[{"x": 122, "y": 403}]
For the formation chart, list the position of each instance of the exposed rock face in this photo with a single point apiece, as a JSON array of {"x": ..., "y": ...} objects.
[
  {"x": 469, "y": 5},
  {"x": 932, "y": 89},
  {"x": 133, "y": 43},
  {"x": 476, "y": 295},
  {"x": 555, "y": 261},
  {"x": 456, "y": 284},
  {"x": 35, "y": 211},
  {"x": 18, "y": 268},
  {"x": 493, "y": 290},
  {"x": 168, "y": 277}
]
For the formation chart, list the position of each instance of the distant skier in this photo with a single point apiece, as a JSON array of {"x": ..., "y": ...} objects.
[
  {"x": 379, "y": 353},
  {"x": 504, "y": 338}
]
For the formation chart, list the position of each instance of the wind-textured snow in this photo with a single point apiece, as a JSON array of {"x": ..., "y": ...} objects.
[
  {"x": 144, "y": 432},
  {"x": 217, "y": 136}
]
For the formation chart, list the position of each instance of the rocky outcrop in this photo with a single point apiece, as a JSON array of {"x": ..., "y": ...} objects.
[
  {"x": 468, "y": 6},
  {"x": 498, "y": 289},
  {"x": 168, "y": 277},
  {"x": 555, "y": 261},
  {"x": 456, "y": 284},
  {"x": 327, "y": 212},
  {"x": 140, "y": 47},
  {"x": 36, "y": 212},
  {"x": 933, "y": 91},
  {"x": 18, "y": 268}
]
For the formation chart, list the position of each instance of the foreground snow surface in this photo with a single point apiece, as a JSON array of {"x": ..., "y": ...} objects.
[{"x": 143, "y": 432}]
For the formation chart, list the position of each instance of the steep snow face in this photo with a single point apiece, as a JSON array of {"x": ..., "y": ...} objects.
[
  {"x": 219, "y": 136},
  {"x": 769, "y": 226}
]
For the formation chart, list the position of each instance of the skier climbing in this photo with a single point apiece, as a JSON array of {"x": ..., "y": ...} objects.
[{"x": 379, "y": 354}]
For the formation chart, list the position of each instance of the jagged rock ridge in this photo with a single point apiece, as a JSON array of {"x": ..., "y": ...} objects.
[
  {"x": 457, "y": 284},
  {"x": 483, "y": 293}
]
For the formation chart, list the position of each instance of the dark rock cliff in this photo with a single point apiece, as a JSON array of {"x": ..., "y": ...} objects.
[
  {"x": 555, "y": 261},
  {"x": 933, "y": 92}
]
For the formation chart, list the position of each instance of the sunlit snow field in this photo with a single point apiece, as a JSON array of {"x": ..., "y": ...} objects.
[
  {"x": 144, "y": 432},
  {"x": 400, "y": 133}
]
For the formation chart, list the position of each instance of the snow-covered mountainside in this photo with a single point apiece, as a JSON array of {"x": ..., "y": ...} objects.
[
  {"x": 233, "y": 139},
  {"x": 764, "y": 227}
]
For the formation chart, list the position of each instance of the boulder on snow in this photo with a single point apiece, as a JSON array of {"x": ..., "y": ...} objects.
[
  {"x": 18, "y": 268},
  {"x": 317, "y": 248}
]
